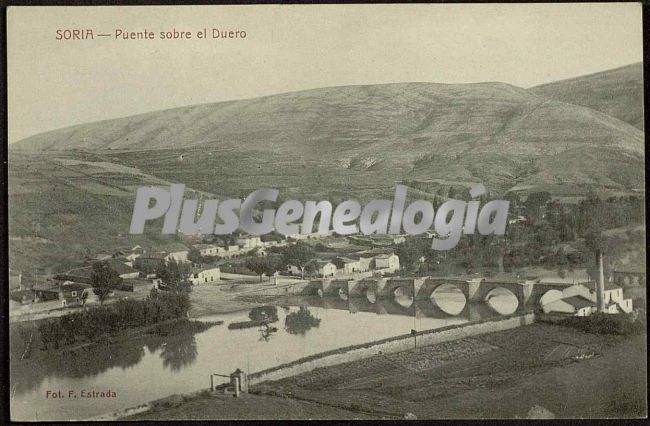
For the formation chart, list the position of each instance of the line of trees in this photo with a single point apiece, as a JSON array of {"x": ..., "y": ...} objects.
[
  {"x": 121, "y": 315},
  {"x": 300, "y": 254},
  {"x": 554, "y": 235}
]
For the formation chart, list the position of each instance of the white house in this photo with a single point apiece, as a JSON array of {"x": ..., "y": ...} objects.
[
  {"x": 581, "y": 307},
  {"x": 177, "y": 252},
  {"x": 349, "y": 266},
  {"x": 123, "y": 269},
  {"x": 581, "y": 301},
  {"x": 614, "y": 300},
  {"x": 518, "y": 219},
  {"x": 207, "y": 249},
  {"x": 205, "y": 276},
  {"x": 249, "y": 242},
  {"x": 258, "y": 251},
  {"x": 387, "y": 261},
  {"x": 294, "y": 270},
  {"x": 326, "y": 269}
]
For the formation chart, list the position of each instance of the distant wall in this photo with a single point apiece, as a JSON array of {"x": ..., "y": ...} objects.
[
  {"x": 291, "y": 289},
  {"x": 390, "y": 345}
]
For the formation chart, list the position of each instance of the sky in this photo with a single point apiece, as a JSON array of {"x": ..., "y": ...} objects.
[{"x": 58, "y": 83}]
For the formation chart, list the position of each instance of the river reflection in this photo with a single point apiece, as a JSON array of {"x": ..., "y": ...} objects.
[
  {"x": 143, "y": 370},
  {"x": 300, "y": 322}
]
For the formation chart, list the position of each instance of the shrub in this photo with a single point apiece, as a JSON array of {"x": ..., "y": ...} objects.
[
  {"x": 600, "y": 323},
  {"x": 110, "y": 319}
]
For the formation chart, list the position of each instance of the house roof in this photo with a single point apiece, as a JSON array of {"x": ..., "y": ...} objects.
[
  {"x": 631, "y": 269},
  {"x": 198, "y": 269},
  {"x": 46, "y": 286},
  {"x": 611, "y": 286},
  {"x": 578, "y": 302},
  {"x": 204, "y": 246},
  {"x": 174, "y": 247},
  {"x": 21, "y": 293},
  {"x": 84, "y": 272},
  {"x": 119, "y": 266},
  {"x": 75, "y": 287},
  {"x": 385, "y": 256},
  {"x": 154, "y": 255}
]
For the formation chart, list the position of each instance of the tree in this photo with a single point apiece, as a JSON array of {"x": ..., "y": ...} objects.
[
  {"x": 299, "y": 254},
  {"x": 411, "y": 250},
  {"x": 259, "y": 265},
  {"x": 174, "y": 276},
  {"x": 534, "y": 205},
  {"x": 268, "y": 265},
  {"x": 104, "y": 279},
  {"x": 194, "y": 256}
]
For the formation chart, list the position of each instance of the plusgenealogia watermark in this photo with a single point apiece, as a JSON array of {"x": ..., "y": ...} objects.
[{"x": 453, "y": 218}]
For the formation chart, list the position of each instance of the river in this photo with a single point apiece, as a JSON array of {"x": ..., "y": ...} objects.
[{"x": 142, "y": 370}]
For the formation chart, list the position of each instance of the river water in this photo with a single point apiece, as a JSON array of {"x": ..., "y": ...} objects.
[{"x": 142, "y": 370}]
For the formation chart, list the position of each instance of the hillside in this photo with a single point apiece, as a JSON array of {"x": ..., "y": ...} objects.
[
  {"x": 359, "y": 140},
  {"x": 617, "y": 92},
  {"x": 64, "y": 205},
  {"x": 71, "y": 191}
]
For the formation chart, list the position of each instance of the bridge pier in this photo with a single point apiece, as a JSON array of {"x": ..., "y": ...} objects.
[{"x": 470, "y": 289}]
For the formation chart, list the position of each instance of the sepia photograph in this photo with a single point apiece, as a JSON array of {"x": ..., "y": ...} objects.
[{"x": 326, "y": 212}]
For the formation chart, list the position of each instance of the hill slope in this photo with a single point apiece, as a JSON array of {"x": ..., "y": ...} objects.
[
  {"x": 617, "y": 92},
  {"x": 352, "y": 139},
  {"x": 67, "y": 204}
]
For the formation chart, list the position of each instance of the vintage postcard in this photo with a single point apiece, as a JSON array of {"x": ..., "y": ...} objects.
[{"x": 388, "y": 211}]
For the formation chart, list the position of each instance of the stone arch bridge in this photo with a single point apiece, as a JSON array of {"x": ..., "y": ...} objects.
[{"x": 475, "y": 289}]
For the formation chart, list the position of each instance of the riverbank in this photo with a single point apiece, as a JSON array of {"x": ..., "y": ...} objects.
[
  {"x": 497, "y": 375},
  {"x": 32, "y": 366},
  {"x": 210, "y": 299}
]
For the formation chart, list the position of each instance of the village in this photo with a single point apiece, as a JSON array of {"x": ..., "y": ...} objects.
[
  {"x": 137, "y": 266},
  {"x": 230, "y": 263}
]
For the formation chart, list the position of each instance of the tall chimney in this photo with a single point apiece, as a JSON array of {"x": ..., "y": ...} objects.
[{"x": 600, "y": 285}]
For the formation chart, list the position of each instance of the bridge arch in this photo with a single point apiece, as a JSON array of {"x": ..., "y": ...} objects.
[
  {"x": 502, "y": 300},
  {"x": 370, "y": 295},
  {"x": 407, "y": 286},
  {"x": 313, "y": 288},
  {"x": 343, "y": 293},
  {"x": 448, "y": 298},
  {"x": 363, "y": 288},
  {"x": 550, "y": 296}
]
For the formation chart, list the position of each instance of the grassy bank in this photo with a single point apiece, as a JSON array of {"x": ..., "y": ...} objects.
[{"x": 498, "y": 375}]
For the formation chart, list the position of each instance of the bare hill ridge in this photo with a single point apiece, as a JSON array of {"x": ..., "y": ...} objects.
[
  {"x": 495, "y": 133},
  {"x": 617, "y": 92}
]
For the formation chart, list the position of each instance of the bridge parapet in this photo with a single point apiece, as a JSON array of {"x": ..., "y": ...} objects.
[
  {"x": 409, "y": 286},
  {"x": 359, "y": 288}
]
